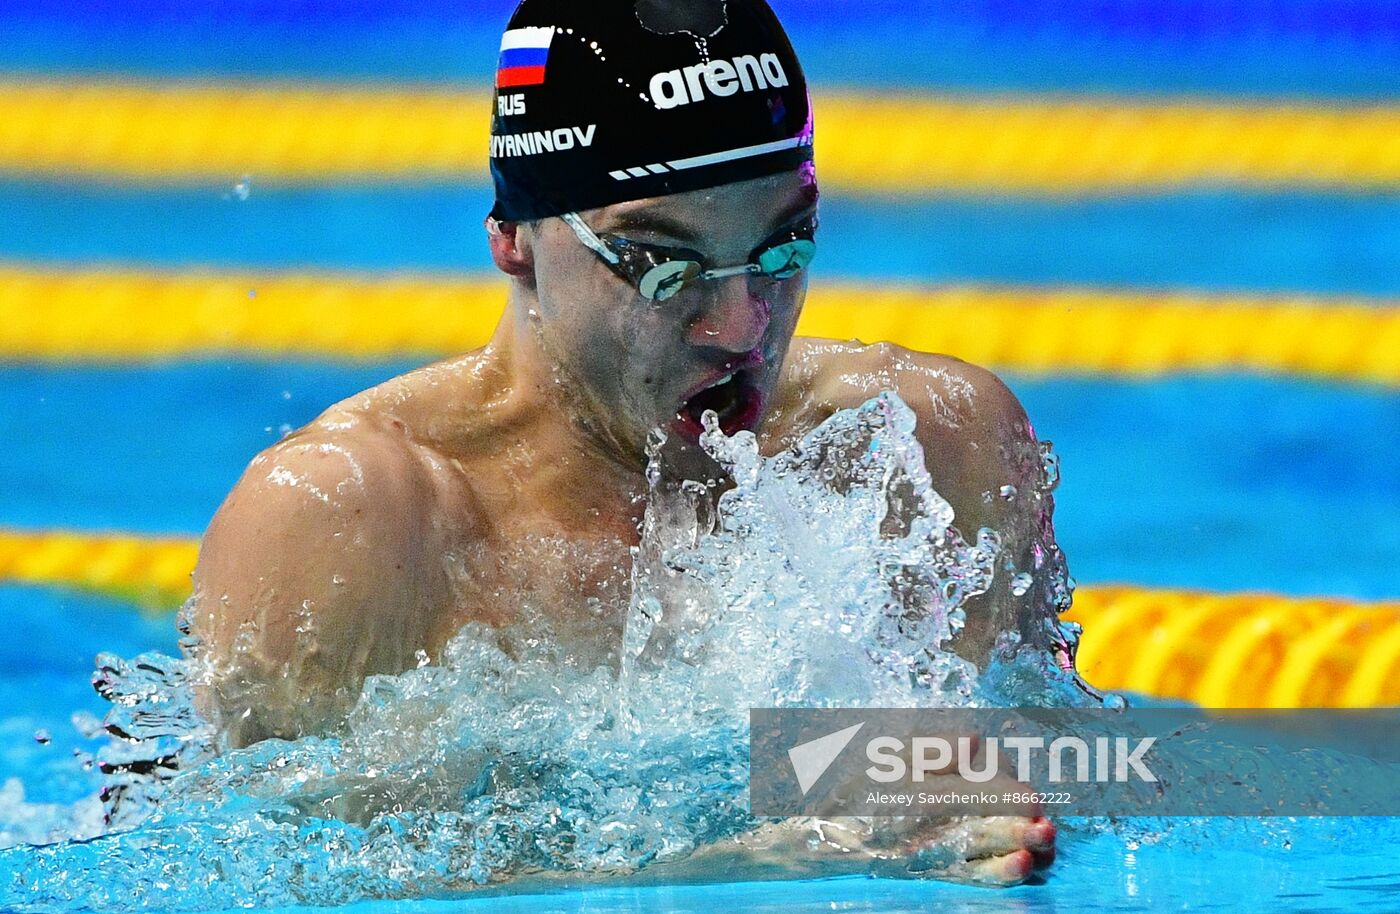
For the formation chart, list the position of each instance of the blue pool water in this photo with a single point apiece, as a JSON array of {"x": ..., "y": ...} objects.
[
  {"x": 1299, "y": 48},
  {"x": 1281, "y": 485},
  {"x": 1317, "y": 865},
  {"x": 1333, "y": 243},
  {"x": 1139, "y": 865},
  {"x": 1223, "y": 483}
]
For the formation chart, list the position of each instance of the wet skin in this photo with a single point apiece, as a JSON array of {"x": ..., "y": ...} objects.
[{"x": 510, "y": 479}]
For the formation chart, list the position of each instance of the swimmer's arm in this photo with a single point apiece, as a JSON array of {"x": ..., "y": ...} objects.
[
  {"x": 978, "y": 441},
  {"x": 975, "y": 852},
  {"x": 310, "y": 577}
]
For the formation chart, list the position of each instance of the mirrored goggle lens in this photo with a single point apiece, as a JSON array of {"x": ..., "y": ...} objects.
[
  {"x": 784, "y": 261},
  {"x": 666, "y": 279}
]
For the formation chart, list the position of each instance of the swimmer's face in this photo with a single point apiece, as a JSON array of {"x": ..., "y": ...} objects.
[{"x": 642, "y": 364}]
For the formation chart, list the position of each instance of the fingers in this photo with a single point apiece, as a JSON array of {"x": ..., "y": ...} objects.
[
  {"x": 993, "y": 836},
  {"x": 1008, "y": 869},
  {"x": 1003, "y": 870},
  {"x": 988, "y": 851},
  {"x": 1040, "y": 841}
]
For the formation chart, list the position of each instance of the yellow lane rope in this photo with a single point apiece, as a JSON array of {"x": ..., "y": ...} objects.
[
  {"x": 1218, "y": 650},
  {"x": 152, "y": 572},
  {"x": 896, "y": 144},
  {"x": 1240, "y": 650},
  {"x": 106, "y": 315}
]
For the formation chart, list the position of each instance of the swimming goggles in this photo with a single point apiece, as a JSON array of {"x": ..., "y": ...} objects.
[{"x": 660, "y": 272}]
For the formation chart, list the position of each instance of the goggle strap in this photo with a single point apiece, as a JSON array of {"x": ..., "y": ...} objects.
[{"x": 589, "y": 238}]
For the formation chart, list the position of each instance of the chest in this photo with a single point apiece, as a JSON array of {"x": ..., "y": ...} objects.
[{"x": 531, "y": 578}]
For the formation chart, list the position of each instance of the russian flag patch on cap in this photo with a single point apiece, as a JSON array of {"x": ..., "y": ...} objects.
[{"x": 524, "y": 56}]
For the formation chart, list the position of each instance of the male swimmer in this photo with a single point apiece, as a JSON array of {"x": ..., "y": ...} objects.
[{"x": 656, "y": 213}]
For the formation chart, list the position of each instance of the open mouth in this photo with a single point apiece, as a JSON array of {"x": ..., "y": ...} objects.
[{"x": 735, "y": 399}]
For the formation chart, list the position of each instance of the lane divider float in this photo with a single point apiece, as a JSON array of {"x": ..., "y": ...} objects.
[
  {"x": 1250, "y": 650},
  {"x": 113, "y": 316},
  {"x": 891, "y": 143}
]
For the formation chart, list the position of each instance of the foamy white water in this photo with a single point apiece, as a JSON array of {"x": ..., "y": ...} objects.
[{"x": 831, "y": 574}]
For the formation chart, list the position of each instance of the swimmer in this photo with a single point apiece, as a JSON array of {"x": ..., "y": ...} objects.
[{"x": 656, "y": 215}]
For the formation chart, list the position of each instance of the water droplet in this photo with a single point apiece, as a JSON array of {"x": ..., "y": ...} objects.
[
  {"x": 1050, "y": 465},
  {"x": 1021, "y": 583},
  {"x": 337, "y": 580},
  {"x": 421, "y": 656},
  {"x": 286, "y": 395},
  {"x": 1007, "y": 492},
  {"x": 88, "y": 725},
  {"x": 243, "y": 189},
  {"x": 42, "y": 737}
]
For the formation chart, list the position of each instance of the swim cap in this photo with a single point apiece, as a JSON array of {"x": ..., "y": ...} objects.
[{"x": 604, "y": 101}]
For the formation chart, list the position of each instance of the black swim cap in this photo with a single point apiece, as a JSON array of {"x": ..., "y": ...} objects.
[{"x": 603, "y": 101}]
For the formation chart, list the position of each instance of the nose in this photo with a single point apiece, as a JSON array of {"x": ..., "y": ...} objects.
[{"x": 733, "y": 319}]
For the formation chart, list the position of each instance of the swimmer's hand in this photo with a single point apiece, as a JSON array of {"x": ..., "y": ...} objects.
[
  {"x": 987, "y": 851},
  {"x": 990, "y": 850},
  {"x": 987, "y": 843}
]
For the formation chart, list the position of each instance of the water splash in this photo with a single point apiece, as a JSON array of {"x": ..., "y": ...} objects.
[{"x": 828, "y": 575}]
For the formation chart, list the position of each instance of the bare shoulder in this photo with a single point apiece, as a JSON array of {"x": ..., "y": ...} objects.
[
  {"x": 363, "y": 482},
  {"x": 981, "y": 452},
  {"x": 343, "y": 464},
  {"x": 316, "y": 570},
  {"x": 956, "y": 402}
]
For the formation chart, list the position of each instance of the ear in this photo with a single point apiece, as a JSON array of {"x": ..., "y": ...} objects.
[{"x": 511, "y": 250}]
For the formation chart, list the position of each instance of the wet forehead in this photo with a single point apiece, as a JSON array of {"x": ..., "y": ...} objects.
[{"x": 734, "y": 216}]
